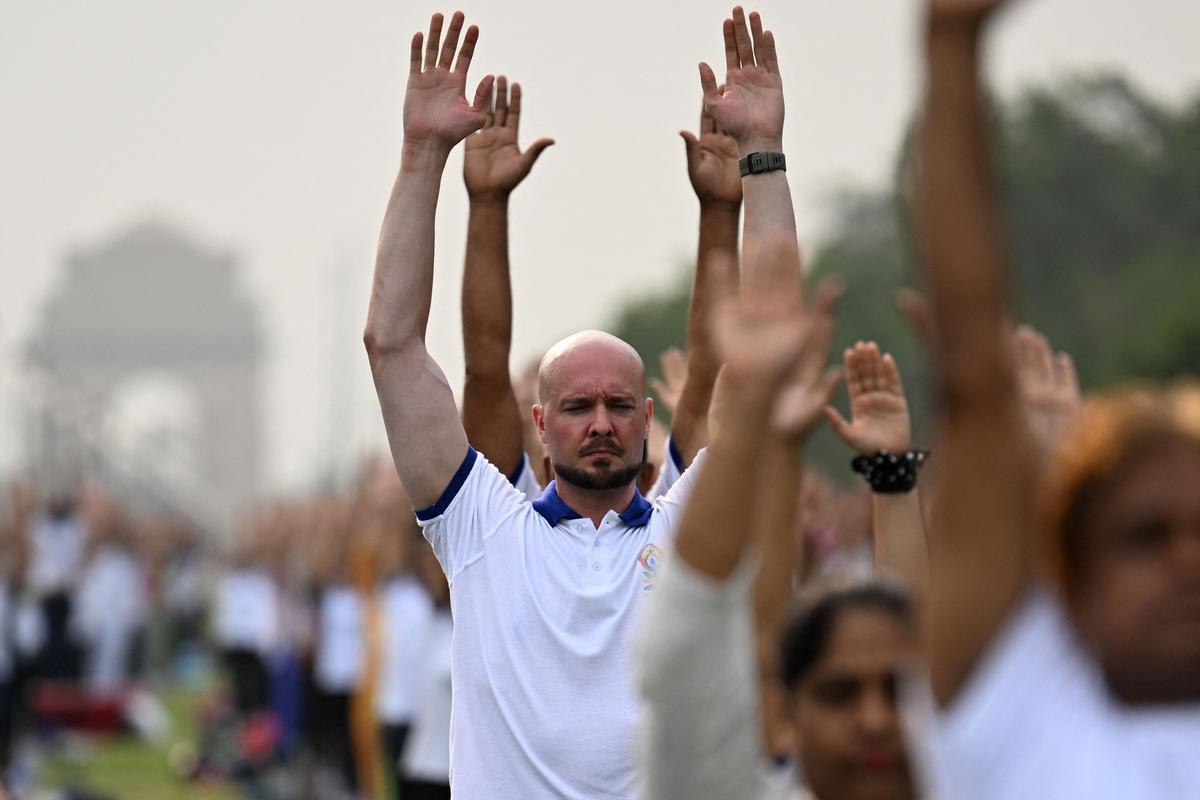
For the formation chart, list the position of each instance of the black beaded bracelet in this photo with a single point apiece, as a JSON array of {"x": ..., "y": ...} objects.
[{"x": 890, "y": 473}]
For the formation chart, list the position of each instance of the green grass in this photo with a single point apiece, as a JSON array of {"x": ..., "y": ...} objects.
[{"x": 127, "y": 768}]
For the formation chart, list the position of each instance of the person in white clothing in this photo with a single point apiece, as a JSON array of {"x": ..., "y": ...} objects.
[
  {"x": 426, "y": 760},
  {"x": 245, "y": 626},
  {"x": 111, "y": 608},
  {"x": 545, "y": 594},
  {"x": 1063, "y": 633}
]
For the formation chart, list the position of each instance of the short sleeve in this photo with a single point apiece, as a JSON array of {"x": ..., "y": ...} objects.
[
  {"x": 669, "y": 472},
  {"x": 476, "y": 505},
  {"x": 1032, "y": 692}
]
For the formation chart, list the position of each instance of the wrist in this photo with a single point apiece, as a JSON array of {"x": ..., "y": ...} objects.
[
  {"x": 488, "y": 200},
  {"x": 760, "y": 144},
  {"x": 423, "y": 155},
  {"x": 719, "y": 209}
]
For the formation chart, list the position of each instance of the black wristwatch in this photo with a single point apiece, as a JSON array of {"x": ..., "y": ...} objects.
[{"x": 756, "y": 163}]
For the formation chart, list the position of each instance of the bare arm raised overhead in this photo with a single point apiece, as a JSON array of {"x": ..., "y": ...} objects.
[
  {"x": 493, "y": 166},
  {"x": 425, "y": 434},
  {"x": 980, "y": 560}
]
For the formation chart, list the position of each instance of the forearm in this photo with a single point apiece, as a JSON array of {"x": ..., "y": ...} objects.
[
  {"x": 713, "y": 534},
  {"x": 768, "y": 202},
  {"x": 900, "y": 548},
  {"x": 716, "y": 274},
  {"x": 775, "y": 504},
  {"x": 959, "y": 206},
  {"x": 491, "y": 415},
  {"x": 402, "y": 288}
]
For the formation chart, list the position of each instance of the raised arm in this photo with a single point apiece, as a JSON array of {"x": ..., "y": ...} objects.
[
  {"x": 493, "y": 166},
  {"x": 712, "y": 164},
  {"x": 878, "y": 421},
  {"x": 749, "y": 107},
  {"x": 425, "y": 434},
  {"x": 980, "y": 560}
]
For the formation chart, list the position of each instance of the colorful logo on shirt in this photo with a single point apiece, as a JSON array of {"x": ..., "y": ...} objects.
[{"x": 649, "y": 562}]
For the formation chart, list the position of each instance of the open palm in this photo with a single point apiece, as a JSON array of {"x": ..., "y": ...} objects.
[
  {"x": 493, "y": 164},
  {"x": 879, "y": 418},
  {"x": 435, "y": 108},
  {"x": 712, "y": 162},
  {"x": 749, "y": 107}
]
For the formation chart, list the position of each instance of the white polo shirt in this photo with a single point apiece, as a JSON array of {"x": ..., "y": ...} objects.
[
  {"x": 545, "y": 606},
  {"x": 668, "y": 473},
  {"x": 1036, "y": 720}
]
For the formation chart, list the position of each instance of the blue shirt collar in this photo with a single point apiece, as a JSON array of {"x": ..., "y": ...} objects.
[{"x": 554, "y": 510}]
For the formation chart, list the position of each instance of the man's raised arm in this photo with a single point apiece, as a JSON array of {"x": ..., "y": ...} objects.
[
  {"x": 749, "y": 107},
  {"x": 979, "y": 546},
  {"x": 493, "y": 165},
  {"x": 426, "y": 437}
]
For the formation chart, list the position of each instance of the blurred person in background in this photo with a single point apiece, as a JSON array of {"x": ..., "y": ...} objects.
[
  {"x": 111, "y": 606},
  {"x": 1063, "y": 630},
  {"x": 57, "y": 541},
  {"x": 245, "y": 621},
  {"x": 426, "y": 761},
  {"x": 339, "y": 654}
]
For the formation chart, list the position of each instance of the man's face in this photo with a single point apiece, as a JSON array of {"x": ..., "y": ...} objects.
[
  {"x": 594, "y": 417},
  {"x": 849, "y": 739},
  {"x": 1137, "y": 597}
]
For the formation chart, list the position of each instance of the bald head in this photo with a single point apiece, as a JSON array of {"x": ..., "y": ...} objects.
[{"x": 590, "y": 357}]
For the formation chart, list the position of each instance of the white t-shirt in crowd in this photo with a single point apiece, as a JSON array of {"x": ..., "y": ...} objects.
[
  {"x": 340, "y": 639},
  {"x": 407, "y": 614},
  {"x": 544, "y": 609},
  {"x": 1036, "y": 721},
  {"x": 111, "y": 604},
  {"x": 56, "y": 553},
  {"x": 427, "y": 752},
  {"x": 245, "y": 611}
]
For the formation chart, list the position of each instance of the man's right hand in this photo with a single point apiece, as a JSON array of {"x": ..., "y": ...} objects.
[
  {"x": 493, "y": 164},
  {"x": 436, "y": 113},
  {"x": 712, "y": 164}
]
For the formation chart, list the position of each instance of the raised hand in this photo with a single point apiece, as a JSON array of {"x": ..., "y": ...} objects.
[
  {"x": 712, "y": 162},
  {"x": 436, "y": 112},
  {"x": 1049, "y": 386},
  {"x": 493, "y": 164},
  {"x": 750, "y": 109},
  {"x": 879, "y": 417},
  {"x": 812, "y": 383},
  {"x": 963, "y": 10},
  {"x": 675, "y": 371}
]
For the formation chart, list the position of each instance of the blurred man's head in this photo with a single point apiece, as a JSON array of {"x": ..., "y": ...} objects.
[
  {"x": 842, "y": 658},
  {"x": 1122, "y": 513},
  {"x": 592, "y": 413}
]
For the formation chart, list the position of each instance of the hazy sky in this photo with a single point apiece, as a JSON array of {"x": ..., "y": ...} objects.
[{"x": 273, "y": 129}]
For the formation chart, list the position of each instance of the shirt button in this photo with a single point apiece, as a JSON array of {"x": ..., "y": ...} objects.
[{"x": 595, "y": 566}]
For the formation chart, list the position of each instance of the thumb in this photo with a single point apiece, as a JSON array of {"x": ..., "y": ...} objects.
[
  {"x": 689, "y": 140},
  {"x": 483, "y": 95},
  {"x": 535, "y": 151},
  {"x": 840, "y": 425}
]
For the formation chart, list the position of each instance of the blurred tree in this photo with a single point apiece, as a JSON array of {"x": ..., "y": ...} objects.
[{"x": 1102, "y": 188}]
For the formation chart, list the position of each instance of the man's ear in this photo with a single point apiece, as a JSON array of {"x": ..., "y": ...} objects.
[
  {"x": 649, "y": 417},
  {"x": 539, "y": 422}
]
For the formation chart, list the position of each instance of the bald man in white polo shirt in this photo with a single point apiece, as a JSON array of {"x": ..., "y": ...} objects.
[{"x": 545, "y": 593}]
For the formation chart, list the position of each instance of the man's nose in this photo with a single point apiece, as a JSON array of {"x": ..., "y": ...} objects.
[{"x": 601, "y": 422}]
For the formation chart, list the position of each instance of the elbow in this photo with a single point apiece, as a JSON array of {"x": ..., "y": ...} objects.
[{"x": 381, "y": 346}]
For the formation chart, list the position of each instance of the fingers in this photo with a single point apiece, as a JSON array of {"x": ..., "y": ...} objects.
[
  {"x": 490, "y": 119},
  {"x": 829, "y": 384},
  {"x": 756, "y": 35},
  {"x": 708, "y": 83},
  {"x": 659, "y": 388},
  {"x": 731, "y": 53},
  {"x": 483, "y": 95},
  {"x": 530, "y": 156},
  {"x": 767, "y": 56},
  {"x": 468, "y": 49},
  {"x": 513, "y": 120},
  {"x": 689, "y": 141},
  {"x": 1068, "y": 378},
  {"x": 501, "y": 108},
  {"x": 414, "y": 55},
  {"x": 890, "y": 374},
  {"x": 840, "y": 425},
  {"x": 451, "y": 43},
  {"x": 707, "y": 123},
  {"x": 431, "y": 44},
  {"x": 741, "y": 38},
  {"x": 828, "y": 294}
]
